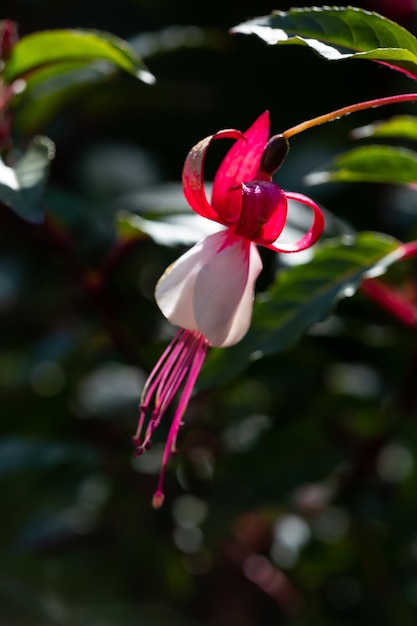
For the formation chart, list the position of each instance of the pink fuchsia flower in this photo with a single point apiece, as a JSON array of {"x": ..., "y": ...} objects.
[{"x": 208, "y": 292}]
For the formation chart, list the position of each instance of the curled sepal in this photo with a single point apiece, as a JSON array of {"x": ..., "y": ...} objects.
[
  {"x": 314, "y": 232},
  {"x": 193, "y": 175},
  {"x": 263, "y": 212}
]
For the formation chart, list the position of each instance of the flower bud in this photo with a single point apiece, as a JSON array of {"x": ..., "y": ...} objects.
[{"x": 274, "y": 154}]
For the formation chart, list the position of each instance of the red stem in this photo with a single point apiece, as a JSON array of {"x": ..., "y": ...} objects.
[
  {"x": 361, "y": 106},
  {"x": 391, "y": 300}
]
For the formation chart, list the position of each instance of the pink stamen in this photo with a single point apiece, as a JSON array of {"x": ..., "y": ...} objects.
[
  {"x": 195, "y": 365},
  {"x": 182, "y": 359},
  {"x": 172, "y": 376},
  {"x": 152, "y": 383}
]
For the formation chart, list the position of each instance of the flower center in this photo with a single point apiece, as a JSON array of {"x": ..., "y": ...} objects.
[{"x": 263, "y": 212}]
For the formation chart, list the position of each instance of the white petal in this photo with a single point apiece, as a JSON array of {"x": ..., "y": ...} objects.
[
  {"x": 223, "y": 293},
  {"x": 174, "y": 291}
]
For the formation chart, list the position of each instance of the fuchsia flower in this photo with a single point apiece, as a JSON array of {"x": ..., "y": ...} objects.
[{"x": 208, "y": 292}]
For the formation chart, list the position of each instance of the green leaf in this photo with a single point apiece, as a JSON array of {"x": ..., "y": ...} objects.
[
  {"x": 50, "y": 89},
  {"x": 378, "y": 164},
  {"x": 300, "y": 297},
  {"x": 404, "y": 126},
  {"x": 22, "y": 186},
  {"x": 337, "y": 33},
  {"x": 41, "y": 50}
]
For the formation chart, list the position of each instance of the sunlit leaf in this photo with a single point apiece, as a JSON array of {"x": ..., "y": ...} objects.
[
  {"x": 382, "y": 164},
  {"x": 44, "y": 49},
  {"x": 302, "y": 296},
  {"x": 404, "y": 126},
  {"x": 22, "y": 186},
  {"x": 337, "y": 33}
]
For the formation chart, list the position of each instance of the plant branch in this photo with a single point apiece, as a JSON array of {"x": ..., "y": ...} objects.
[{"x": 352, "y": 108}]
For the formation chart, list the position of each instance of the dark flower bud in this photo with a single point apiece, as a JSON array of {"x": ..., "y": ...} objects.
[
  {"x": 274, "y": 154},
  {"x": 8, "y": 38}
]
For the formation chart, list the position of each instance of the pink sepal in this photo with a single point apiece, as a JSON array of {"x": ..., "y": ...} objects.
[
  {"x": 312, "y": 234},
  {"x": 193, "y": 175},
  {"x": 240, "y": 164}
]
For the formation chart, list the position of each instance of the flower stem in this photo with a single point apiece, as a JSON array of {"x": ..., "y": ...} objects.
[
  {"x": 391, "y": 300},
  {"x": 409, "y": 250},
  {"x": 360, "y": 106}
]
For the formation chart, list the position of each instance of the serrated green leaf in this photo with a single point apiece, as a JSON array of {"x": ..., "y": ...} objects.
[
  {"x": 300, "y": 297},
  {"x": 337, "y": 33},
  {"x": 404, "y": 126},
  {"x": 378, "y": 164},
  {"x": 44, "y": 49},
  {"x": 22, "y": 187}
]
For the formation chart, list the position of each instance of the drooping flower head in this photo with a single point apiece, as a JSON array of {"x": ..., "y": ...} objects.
[{"x": 208, "y": 292}]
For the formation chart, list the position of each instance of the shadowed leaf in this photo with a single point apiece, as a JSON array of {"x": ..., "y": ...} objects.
[{"x": 22, "y": 186}]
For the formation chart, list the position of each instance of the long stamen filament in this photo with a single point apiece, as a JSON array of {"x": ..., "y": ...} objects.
[
  {"x": 155, "y": 375},
  {"x": 361, "y": 106},
  {"x": 193, "y": 367},
  {"x": 174, "y": 374},
  {"x": 166, "y": 393},
  {"x": 182, "y": 360},
  {"x": 162, "y": 366}
]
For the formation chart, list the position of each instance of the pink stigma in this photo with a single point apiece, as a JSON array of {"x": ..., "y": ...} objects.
[{"x": 181, "y": 362}]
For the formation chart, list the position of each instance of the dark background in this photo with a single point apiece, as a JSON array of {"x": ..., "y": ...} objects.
[{"x": 293, "y": 499}]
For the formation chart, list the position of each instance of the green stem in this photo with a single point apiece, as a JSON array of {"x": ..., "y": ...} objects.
[{"x": 361, "y": 106}]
